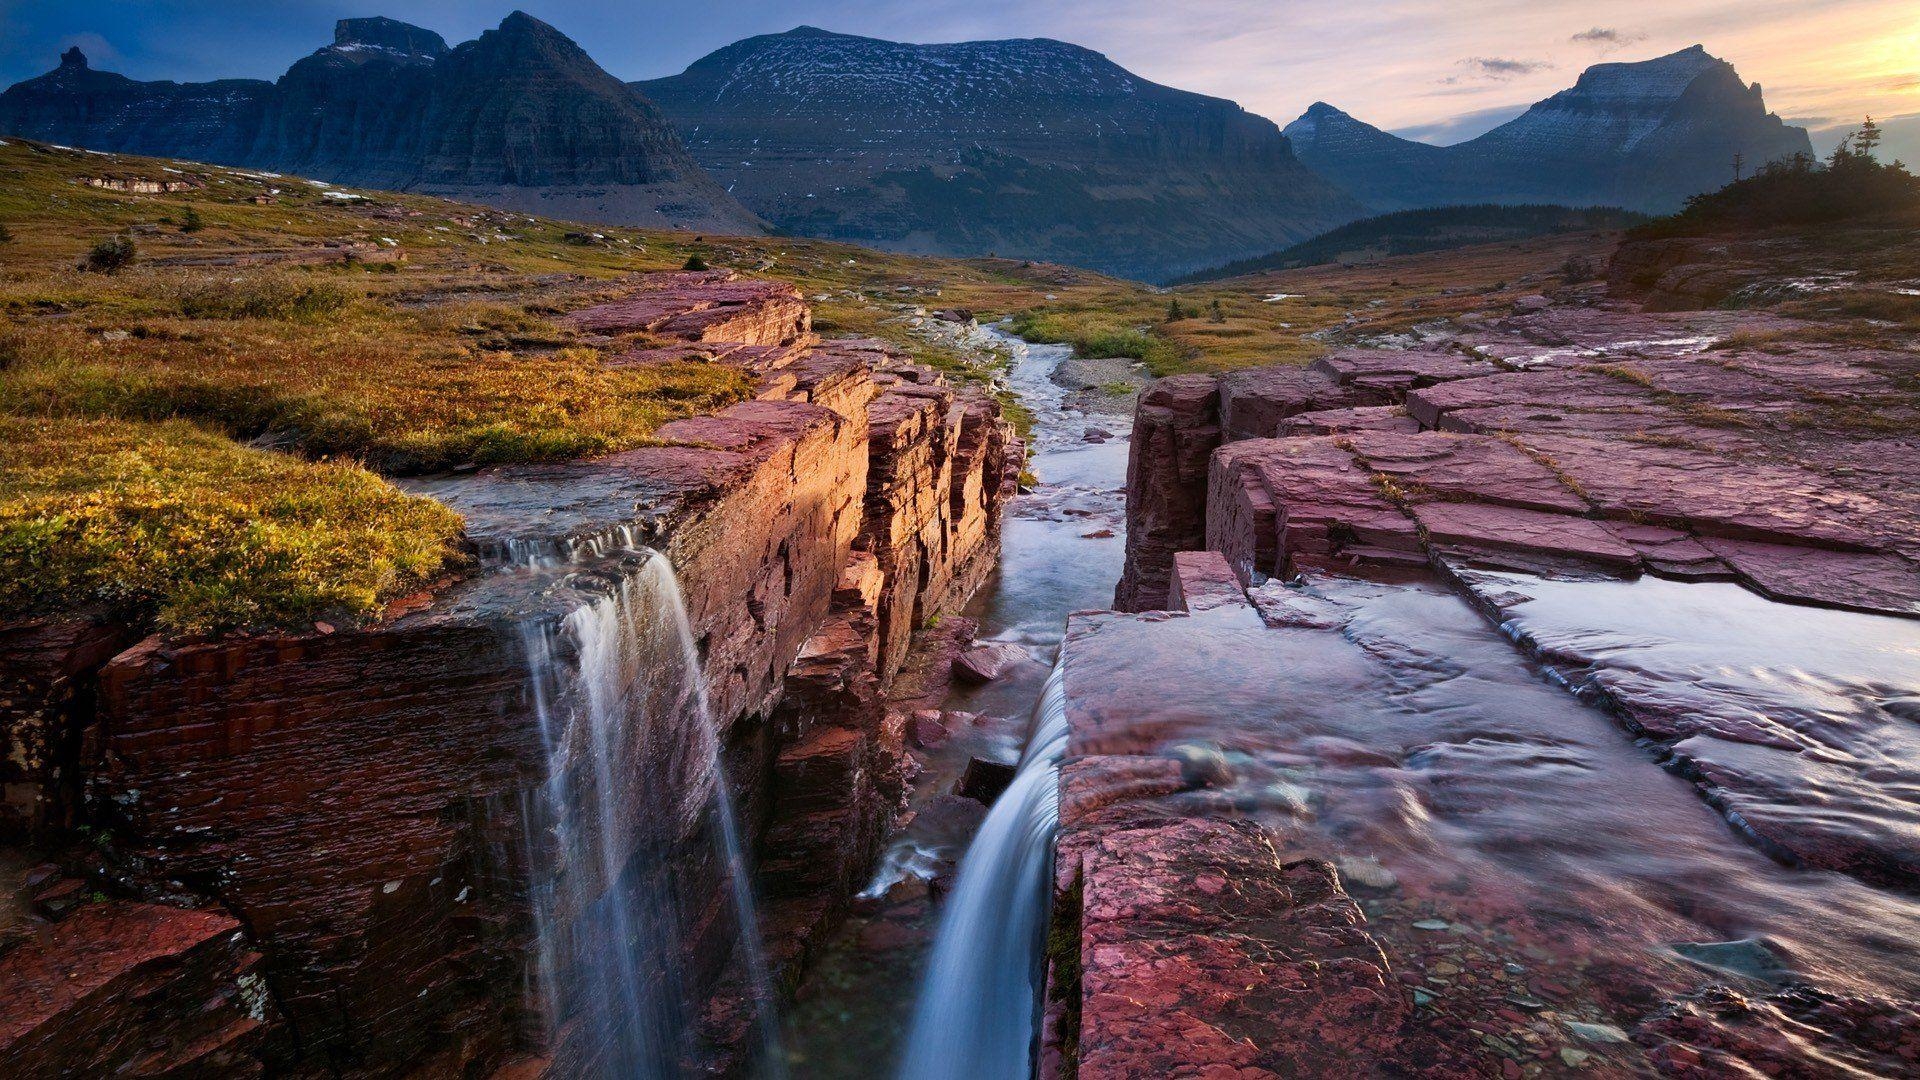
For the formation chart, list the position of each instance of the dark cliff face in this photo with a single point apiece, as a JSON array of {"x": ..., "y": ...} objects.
[
  {"x": 1641, "y": 135},
  {"x": 78, "y": 106},
  {"x": 520, "y": 117},
  {"x": 1033, "y": 148}
]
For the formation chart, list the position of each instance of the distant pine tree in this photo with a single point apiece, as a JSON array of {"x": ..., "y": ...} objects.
[
  {"x": 190, "y": 221},
  {"x": 695, "y": 262},
  {"x": 1174, "y": 311},
  {"x": 1219, "y": 315}
]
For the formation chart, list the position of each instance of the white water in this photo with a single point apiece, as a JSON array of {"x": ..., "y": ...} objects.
[
  {"x": 626, "y": 726},
  {"x": 980, "y": 1005}
]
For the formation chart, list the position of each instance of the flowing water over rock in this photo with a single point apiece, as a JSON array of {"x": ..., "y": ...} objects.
[
  {"x": 1526, "y": 869},
  {"x": 622, "y": 701},
  {"x": 980, "y": 1004}
]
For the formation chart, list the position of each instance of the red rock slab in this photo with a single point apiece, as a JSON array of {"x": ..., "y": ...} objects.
[
  {"x": 1176, "y": 428},
  {"x": 1205, "y": 584},
  {"x": 1547, "y": 537},
  {"x": 1395, "y": 371},
  {"x": 1255, "y": 402},
  {"x": 137, "y": 990},
  {"x": 1274, "y": 501},
  {"x": 713, "y": 306},
  {"x": 1714, "y": 495},
  {"x": 1581, "y": 390},
  {"x": 1705, "y": 378},
  {"x": 1338, "y": 421},
  {"x": 1644, "y": 333},
  {"x": 1670, "y": 552},
  {"x": 1874, "y": 582},
  {"x": 1813, "y": 368},
  {"x": 1645, "y": 424},
  {"x": 1177, "y": 981},
  {"x": 1478, "y": 467}
]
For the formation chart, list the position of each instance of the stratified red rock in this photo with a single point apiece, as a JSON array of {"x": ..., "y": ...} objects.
[
  {"x": 1256, "y": 402},
  {"x": 134, "y": 990},
  {"x": 709, "y": 306},
  {"x": 1175, "y": 430},
  {"x": 46, "y": 667}
]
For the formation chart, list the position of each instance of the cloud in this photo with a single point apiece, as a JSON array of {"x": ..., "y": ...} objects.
[
  {"x": 1496, "y": 68},
  {"x": 1607, "y": 38}
]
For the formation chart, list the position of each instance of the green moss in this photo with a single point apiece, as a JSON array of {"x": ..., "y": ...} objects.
[{"x": 1063, "y": 974}]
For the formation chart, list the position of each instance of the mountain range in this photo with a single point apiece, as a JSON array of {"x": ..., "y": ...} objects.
[
  {"x": 1643, "y": 136},
  {"x": 520, "y": 117},
  {"x": 1027, "y": 148},
  {"x": 1034, "y": 147}
]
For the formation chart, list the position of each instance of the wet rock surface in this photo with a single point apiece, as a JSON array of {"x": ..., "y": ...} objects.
[
  {"x": 1433, "y": 860},
  {"x": 1575, "y": 639}
]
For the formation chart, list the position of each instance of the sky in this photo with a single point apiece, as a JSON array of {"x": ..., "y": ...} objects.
[{"x": 1437, "y": 70}]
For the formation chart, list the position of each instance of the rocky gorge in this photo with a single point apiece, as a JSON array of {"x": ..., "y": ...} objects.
[{"x": 310, "y": 919}]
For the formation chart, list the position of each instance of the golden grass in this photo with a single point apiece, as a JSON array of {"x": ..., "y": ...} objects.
[{"x": 203, "y": 534}]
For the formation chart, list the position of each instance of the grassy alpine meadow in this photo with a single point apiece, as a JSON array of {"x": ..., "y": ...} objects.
[{"x": 203, "y": 386}]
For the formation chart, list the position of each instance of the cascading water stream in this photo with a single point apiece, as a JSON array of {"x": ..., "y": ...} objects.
[
  {"x": 980, "y": 1004},
  {"x": 628, "y": 733}
]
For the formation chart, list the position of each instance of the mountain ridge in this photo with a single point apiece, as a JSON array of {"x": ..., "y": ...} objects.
[
  {"x": 521, "y": 117},
  {"x": 1031, "y": 147},
  {"x": 1644, "y": 135}
]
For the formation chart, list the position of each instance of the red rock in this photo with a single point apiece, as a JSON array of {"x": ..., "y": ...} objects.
[
  {"x": 1205, "y": 584},
  {"x": 1486, "y": 530},
  {"x": 1174, "y": 980},
  {"x": 1176, "y": 428},
  {"x": 926, "y": 731},
  {"x": 1396, "y": 371},
  {"x": 1341, "y": 421},
  {"x": 989, "y": 661},
  {"x": 1273, "y": 503},
  {"x": 1255, "y": 402},
  {"x": 1880, "y": 582},
  {"x": 44, "y": 709},
  {"x": 1477, "y": 467},
  {"x": 138, "y": 990},
  {"x": 713, "y": 306}
]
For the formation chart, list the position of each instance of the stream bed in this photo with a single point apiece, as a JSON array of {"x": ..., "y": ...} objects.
[{"x": 1063, "y": 547}]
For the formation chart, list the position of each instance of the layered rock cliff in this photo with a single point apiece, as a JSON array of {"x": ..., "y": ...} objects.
[
  {"x": 333, "y": 834},
  {"x": 520, "y": 117},
  {"x": 1638, "y": 135},
  {"x": 1032, "y": 149}
]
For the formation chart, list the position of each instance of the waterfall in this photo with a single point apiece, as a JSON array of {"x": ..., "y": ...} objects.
[
  {"x": 631, "y": 750},
  {"x": 980, "y": 1004}
]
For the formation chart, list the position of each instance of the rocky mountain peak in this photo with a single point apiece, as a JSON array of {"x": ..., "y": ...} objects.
[
  {"x": 1643, "y": 134},
  {"x": 73, "y": 60},
  {"x": 391, "y": 35}
]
